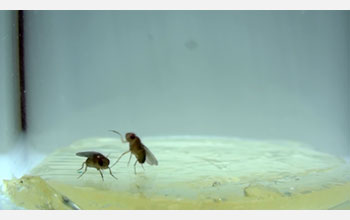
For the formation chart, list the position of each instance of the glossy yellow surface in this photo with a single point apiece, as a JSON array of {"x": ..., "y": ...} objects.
[{"x": 193, "y": 173}]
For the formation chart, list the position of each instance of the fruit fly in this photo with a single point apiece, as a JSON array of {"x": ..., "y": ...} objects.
[
  {"x": 141, "y": 152},
  {"x": 96, "y": 160}
]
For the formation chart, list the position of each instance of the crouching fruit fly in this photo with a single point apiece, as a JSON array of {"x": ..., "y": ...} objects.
[{"x": 96, "y": 160}]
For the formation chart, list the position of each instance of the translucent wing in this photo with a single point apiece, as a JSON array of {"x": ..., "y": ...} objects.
[
  {"x": 150, "y": 158},
  {"x": 87, "y": 153}
]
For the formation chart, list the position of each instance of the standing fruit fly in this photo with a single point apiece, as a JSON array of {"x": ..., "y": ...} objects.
[
  {"x": 141, "y": 152},
  {"x": 96, "y": 160}
]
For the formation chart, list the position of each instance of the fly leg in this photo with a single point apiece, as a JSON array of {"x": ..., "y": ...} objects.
[
  {"x": 110, "y": 171},
  {"x": 135, "y": 167},
  {"x": 84, "y": 170},
  {"x": 129, "y": 159},
  {"x": 101, "y": 174},
  {"x": 121, "y": 137},
  {"x": 120, "y": 157},
  {"x": 82, "y": 166},
  {"x": 142, "y": 167}
]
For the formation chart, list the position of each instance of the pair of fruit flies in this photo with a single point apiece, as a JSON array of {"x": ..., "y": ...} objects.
[
  {"x": 136, "y": 148},
  {"x": 95, "y": 160}
]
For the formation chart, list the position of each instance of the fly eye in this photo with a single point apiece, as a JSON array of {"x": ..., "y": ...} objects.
[
  {"x": 132, "y": 136},
  {"x": 100, "y": 162}
]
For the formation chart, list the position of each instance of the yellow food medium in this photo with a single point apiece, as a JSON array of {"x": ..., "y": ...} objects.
[
  {"x": 32, "y": 192},
  {"x": 193, "y": 173}
]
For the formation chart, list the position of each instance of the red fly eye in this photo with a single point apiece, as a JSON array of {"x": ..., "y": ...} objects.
[{"x": 132, "y": 136}]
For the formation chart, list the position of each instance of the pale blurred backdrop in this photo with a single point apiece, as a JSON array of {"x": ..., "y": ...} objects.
[{"x": 280, "y": 75}]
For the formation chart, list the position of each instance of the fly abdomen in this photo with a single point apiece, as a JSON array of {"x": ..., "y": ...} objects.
[{"x": 141, "y": 155}]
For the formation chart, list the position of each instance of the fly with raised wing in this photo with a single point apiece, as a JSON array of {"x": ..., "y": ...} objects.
[{"x": 138, "y": 149}]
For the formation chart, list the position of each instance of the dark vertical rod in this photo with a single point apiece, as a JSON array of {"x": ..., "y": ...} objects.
[{"x": 22, "y": 70}]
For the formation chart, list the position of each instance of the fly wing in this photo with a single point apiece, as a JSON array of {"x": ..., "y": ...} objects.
[
  {"x": 150, "y": 158},
  {"x": 86, "y": 153}
]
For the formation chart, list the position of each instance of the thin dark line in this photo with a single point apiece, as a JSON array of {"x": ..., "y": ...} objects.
[{"x": 22, "y": 70}]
